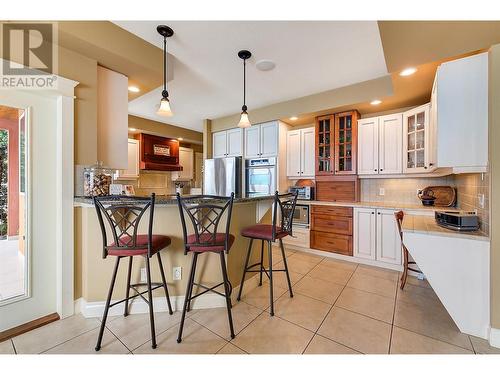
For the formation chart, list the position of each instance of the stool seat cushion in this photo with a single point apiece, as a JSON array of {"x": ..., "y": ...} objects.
[
  {"x": 216, "y": 246},
  {"x": 159, "y": 242},
  {"x": 263, "y": 232}
]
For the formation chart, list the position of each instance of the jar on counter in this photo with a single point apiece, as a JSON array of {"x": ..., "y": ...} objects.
[{"x": 96, "y": 180}]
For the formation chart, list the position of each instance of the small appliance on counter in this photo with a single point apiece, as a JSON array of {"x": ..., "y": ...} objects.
[
  {"x": 442, "y": 196},
  {"x": 304, "y": 192},
  {"x": 460, "y": 221}
]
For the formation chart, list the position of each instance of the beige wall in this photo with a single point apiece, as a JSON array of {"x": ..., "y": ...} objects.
[
  {"x": 164, "y": 130},
  {"x": 494, "y": 136}
]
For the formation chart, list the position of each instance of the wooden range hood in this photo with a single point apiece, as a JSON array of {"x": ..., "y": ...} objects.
[{"x": 158, "y": 153}]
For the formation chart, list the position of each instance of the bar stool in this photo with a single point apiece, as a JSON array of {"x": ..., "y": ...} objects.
[
  {"x": 205, "y": 212},
  {"x": 271, "y": 233},
  {"x": 399, "y": 220},
  {"x": 123, "y": 215}
]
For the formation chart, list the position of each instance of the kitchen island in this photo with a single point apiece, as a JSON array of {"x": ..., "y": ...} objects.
[{"x": 92, "y": 273}]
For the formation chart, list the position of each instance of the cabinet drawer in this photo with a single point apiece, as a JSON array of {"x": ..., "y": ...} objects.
[
  {"x": 334, "y": 243},
  {"x": 330, "y": 210},
  {"x": 332, "y": 224}
]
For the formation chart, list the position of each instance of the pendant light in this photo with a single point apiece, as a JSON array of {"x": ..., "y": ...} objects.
[
  {"x": 244, "y": 121},
  {"x": 164, "y": 110}
]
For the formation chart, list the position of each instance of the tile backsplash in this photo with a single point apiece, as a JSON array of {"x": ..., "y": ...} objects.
[{"x": 469, "y": 189}]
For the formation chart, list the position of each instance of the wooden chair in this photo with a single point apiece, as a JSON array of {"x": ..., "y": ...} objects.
[{"x": 399, "y": 220}]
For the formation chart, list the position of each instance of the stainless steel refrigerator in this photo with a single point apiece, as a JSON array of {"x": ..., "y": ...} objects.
[{"x": 222, "y": 176}]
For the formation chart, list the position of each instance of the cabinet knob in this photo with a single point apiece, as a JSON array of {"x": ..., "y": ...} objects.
[
  {"x": 425, "y": 166},
  {"x": 378, "y": 213},
  {"x": 375, "y": 170},
  {"x": 381, "y": 169},
  {"x": 431, "y": 164},
  {"x": 298, "y": 172}
]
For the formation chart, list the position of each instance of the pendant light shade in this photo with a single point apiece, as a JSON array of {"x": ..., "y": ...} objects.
[
  {"x": 164, "y": 109},
  {"x": 244, "y": 120}
]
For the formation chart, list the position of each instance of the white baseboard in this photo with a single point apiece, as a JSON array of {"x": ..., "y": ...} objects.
[
  {"x": 138, "y": 306},
  {"x": 495, "y": 337}
]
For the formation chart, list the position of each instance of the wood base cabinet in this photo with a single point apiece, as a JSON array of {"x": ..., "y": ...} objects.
[
  {"x": 376, "y": 235},
  {"x": 331, "y": 229}
]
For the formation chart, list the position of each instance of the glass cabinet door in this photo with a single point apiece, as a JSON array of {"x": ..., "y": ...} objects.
[
  {"x": 324, "y": 154},
  {"x": 345, "y": 143},
  {"x": 416, "y": 139}
]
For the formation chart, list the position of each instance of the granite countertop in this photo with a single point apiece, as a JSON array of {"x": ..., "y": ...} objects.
[
  {"x": 387, "y": 205},
  {"x": 164, "y": 200},
  {"x": 427, "y": 225}
]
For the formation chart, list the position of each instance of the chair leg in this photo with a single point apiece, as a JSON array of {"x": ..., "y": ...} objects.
[
  {"x": 286, "y": 269},
  {"x": 164, "y": 281},
  {"x": 127, "y": 294},
  {"x": 261, "y": 262},
  {"x": 192, "y": 276},
  {"x": 106, "y": 308},
  {"x": 245, "y": 269},
  {"x": 150, "y": 299},
  {"x": 188, "y": 292},
  {"x": 405, "y": 268},
  {"x": 270, "y": 251},
  {"x": 226, "y": 292}
]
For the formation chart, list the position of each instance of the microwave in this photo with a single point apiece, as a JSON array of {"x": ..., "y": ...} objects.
[
  {"x": 303, "y": 192},
  {"x": 301, "y": 215}
]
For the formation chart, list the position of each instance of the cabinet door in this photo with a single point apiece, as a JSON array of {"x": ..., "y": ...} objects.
[
  {"x": 293, "y": 154},
  {"x": 132, "y": 170},
  {"x": 433, "y": 125},
  {"x": 391, "y": 144},
  {"x": 346, "y": 143},
  {"x": 219, "y": 143},
  {"x": 269, "y": 139},
  {"x": 364, "y": 233},
  {"x": 324, "y": 150},
  {"x": 234, "y": 142},
  {"x": 388, "y": 239},
  {"x": 307, "y": 153},
  {"x": 416, "y": 140},
  {"x": 368, "y": 146},
  {"x": 186, "y": 161},
  {"x": 252, "y": 141}
]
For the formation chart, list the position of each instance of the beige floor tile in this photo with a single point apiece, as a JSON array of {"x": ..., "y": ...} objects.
[
  {"x": 337, "y": 263},
  {"x": 6, "y": 347},
  {"x": 322, "y": 345},
  {"x": 370, "y": 304},
  {"x": 216, "y": 319},
  {"x": 134, "y": 330},
  {"x": 259, "y": 296},
  {"x": 196, "y": 339},
  {"x": 313, "y": 258},
  {"x": 325, "y": 291},
  {"x": 46, "y": 337},
  {"x": 482, "y": 346},
  {"x": 430, "y": 319},
  {"x": 230, "y": 349},
  {"x": 272, "y": 335},
  {"x": 302, "y": 310},
  {"x": 332, "y": 274},
  {"x": 299, "y": 265},
  {"x": 277, "y": 257},
  {"x": 279, "y": 278},
  {"x": 377, "y": 285},
  {"x": 406, "y": 342},
  {"x": 417, "y": 295},
  {"x": 412, "y": 280},
  {"x": 356, "y": 331},
  {"x": 85, "y": 344},
  {"x": 378, "y": 272}
]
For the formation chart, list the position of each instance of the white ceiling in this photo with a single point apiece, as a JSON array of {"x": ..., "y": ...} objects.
[{"x": 310, "y": 57}]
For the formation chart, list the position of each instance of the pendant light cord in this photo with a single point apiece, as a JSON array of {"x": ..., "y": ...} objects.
[
  {"x": 164, "y": 64},
  {"x": 244, "y": 82}
]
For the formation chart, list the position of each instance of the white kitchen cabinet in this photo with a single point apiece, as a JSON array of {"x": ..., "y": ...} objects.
[
  {"x": 132, "y": 171},
  {"x": 416, "y": 140},
  {"x": 261, "y": 140},
  {"x": 364, "y": 233},
  {"x": 300, "y": 153},
  {"x": 460, "y": 113},
  {"x": 388, "y": 239},
  {"x": 380, "y": 145},
  {"x": 186, "y": 160},
  {"x": 227, "y": 143},
  {"x": 376, "y": 235}
]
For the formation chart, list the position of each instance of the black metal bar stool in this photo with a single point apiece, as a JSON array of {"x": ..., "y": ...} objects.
[
  {"x": 205, "y": 212},
  {"x": 271, "y": 233},
  {"x": 123, "y": 214},
  {"x": 406, "y": 263}
]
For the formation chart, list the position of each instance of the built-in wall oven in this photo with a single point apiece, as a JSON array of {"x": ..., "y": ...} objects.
[
  {"x": 260, "y": 177},
  {"x": 301, "y": 215}
]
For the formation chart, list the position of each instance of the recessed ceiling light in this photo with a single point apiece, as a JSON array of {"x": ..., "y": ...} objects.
[
  {"x": 265, "y": 65},
  {"x": 132, "y": 129},
  {"x": 375, "y": 102},
  {"x": 180, "y": 138},
  {"x": 293, "y": 118},
  {"x": 407, "y": 72},
  {"x": 133, "y": 89}
]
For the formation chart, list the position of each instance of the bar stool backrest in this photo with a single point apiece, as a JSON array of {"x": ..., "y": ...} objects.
[
  {"x": 205, "y": 212},
  {"x": 399, "y": 221},
  {"x": 123, "y": 215},
  {"x": 286, "y": 203}
]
